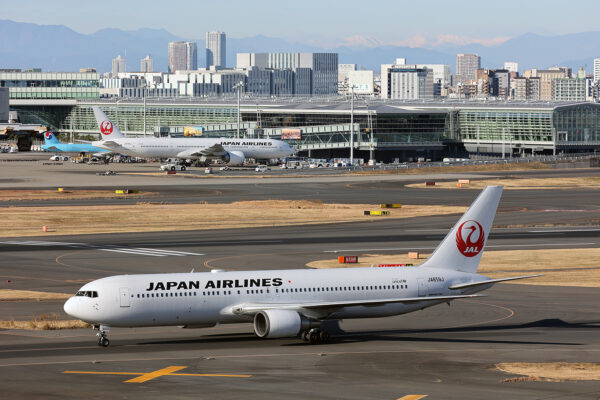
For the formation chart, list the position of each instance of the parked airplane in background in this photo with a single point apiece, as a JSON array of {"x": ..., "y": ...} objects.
[
  {"x": 231, "y": 150},
  {"x": 286, "y": 303},
  {"x": 52, "y": 144}
]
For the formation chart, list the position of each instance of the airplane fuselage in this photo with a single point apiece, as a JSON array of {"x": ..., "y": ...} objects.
[
  {"x": 189, "y": 147},
  {"x": 209, "y": 298}
]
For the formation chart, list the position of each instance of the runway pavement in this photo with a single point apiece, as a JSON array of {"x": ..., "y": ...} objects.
[{"x": 442, "y": 352}]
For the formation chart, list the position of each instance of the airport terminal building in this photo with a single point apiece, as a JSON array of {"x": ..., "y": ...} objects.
[{"x": 386, "y": 130}]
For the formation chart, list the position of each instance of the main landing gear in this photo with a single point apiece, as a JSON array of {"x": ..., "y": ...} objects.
[
  {"x": 315, "y": 336},
  {"x": 102, "y": 331}
]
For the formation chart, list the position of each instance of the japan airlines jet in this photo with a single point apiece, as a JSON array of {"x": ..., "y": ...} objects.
[
  {"x": 231, "y": 150},
  {"x": 288, "y": 303},
  {"x": 53, "y": 144}
]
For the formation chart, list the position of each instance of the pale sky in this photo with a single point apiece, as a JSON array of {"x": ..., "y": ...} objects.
[{"x": 321, "y": 22}]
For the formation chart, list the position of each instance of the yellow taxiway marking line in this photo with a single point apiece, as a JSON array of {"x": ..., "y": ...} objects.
[
  {"x": 154, "y": 374},
  {"x": 144, "y": 377},
  {"x": 413, "y": 397}
]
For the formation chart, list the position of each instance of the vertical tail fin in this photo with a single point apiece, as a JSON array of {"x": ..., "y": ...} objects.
[
  {"x": 50, "y": 138},
  {"x": 107, "y": 128},
  {"x": 462, "y": 247}
]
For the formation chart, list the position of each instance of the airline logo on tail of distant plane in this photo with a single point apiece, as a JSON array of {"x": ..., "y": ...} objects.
[
  {"x": 106, "y": 127},
  {"x": 470, "y": 238},
  {"x": 48, "y": 135}
]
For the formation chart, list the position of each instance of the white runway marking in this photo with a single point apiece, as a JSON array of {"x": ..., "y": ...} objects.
[{"x": 142, "y": 251}]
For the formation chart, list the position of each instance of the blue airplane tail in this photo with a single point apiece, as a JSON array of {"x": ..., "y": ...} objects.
[{"x": 50, "y": 138}]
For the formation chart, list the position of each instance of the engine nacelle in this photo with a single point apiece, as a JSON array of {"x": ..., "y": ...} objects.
[
  {"x": 281, "y": 323},
  {"x": 234, "y": 158}
]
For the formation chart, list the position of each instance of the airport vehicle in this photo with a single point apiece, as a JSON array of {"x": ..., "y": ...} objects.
[
  {"x": 173, "y": 167},
  {"x": 287, "y": 303},
  {"x": 232, "y": 151},
  {"x": 261, "y": 168},
  {"x": 56, "y": 157},
  {"x": 53, "y": 144}
]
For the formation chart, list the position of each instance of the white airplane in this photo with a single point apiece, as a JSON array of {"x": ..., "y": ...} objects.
[
  {"x": 231, "y": 150},
  {"x": 288, "y": 303}
]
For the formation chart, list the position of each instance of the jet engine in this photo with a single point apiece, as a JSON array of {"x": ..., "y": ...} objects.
[
  {"x": 234, "y": 158},
  {"x": 281, "y": 323}
]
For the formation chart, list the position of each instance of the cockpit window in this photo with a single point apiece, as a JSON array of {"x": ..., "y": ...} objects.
[{"x": 87, "y": 293}]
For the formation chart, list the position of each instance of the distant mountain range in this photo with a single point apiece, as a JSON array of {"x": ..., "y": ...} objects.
[{"x": 58, "y": 48}]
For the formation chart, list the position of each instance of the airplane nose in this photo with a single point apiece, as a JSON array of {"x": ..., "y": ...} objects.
[{"x": 69, "y": 307}]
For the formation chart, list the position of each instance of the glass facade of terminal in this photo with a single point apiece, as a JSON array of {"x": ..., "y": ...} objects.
[
  {"x": 51, "y": 85},
  {"x": 578, "y": 125},
  {"x": 537, "y": 128},
  {"x": 508, "y": 125}
]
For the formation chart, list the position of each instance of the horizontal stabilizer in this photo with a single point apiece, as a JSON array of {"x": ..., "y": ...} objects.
[
  {"x": 254, "y": 308},
  {"x": 473, "y": 284}
]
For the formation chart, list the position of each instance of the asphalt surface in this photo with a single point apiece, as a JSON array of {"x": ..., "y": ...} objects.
[{"x": 442, "y": 352}]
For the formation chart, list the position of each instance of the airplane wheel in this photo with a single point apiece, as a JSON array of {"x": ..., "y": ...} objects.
[
  {"x": 306, "y": 336},
  {"x": 323, "y": 336},
  {"x": 105, "y": 342},
  {"x": 313, "y": 337}
]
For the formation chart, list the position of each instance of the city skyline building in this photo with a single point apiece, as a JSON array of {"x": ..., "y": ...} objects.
[
  {"x": 183, "y": 56},
  {"x": 118, "y": 65},
  {"x": 511, "y": 66},
  {"x": 146, "y": 64},
  {"x": 323, "y": 67},
  {"x": 466, "y": 67},
  {"x": 596, "y": 69},
  {"x": 216, "y": 47}
]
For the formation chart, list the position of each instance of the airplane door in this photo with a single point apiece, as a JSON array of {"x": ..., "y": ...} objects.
[
  {"x": 124, "y": 296},
  {"x": 422, "y": 284}
]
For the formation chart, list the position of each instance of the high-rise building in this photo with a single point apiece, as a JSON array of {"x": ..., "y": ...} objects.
[
  {"x": 191, "y": 56},
  {"x": 569, "y": 89},
  {"x": 511, "y": 66},
  {"x": 406, "y": 82},
  {"x": 118, "y": 65},
  {"x": 499, "y": 83},
  {"x": 546, "y": 77},
  {"x": 183, "y": 56},
  {"x": 323, "y": 67},
  {"x": 596, "y": 69},
  {"x": 525, "y": 88},
  {"x": 215, "y": 49},
  {"x": 146, "y": 64},
  {"x": 466, "y": 67}
]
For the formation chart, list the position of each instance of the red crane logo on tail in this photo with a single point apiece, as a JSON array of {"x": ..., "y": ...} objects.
[
  {"x": 470, "y": 238},
  {"x": 106, "y": 127}
]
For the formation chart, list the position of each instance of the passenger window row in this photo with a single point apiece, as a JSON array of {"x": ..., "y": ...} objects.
[
  {"x": 259, "y": 291},
  {"x": 342, "y": 288}
]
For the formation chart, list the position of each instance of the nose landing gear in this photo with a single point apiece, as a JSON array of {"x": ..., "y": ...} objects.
[{"x": 102, "y": 331}]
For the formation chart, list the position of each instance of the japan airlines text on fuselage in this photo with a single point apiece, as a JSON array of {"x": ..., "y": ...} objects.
[{"x": 285, "y": 303}]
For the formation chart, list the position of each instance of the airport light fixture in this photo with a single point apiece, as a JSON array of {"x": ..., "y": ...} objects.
[{"x": 238, "y": 86}]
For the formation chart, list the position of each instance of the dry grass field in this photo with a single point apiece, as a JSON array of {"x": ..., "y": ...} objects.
[
  {"x": 521, "y": 183},
  {"x": 147, "y": 217},
  {"x": 67, "y": 194},
  {"x": 561, "y": 267},
  {"x": 552, "y": 372}
]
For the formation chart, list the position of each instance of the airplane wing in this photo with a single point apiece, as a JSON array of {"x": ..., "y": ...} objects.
[
  {"x": 473, "y": 284},
  {"x": 110, "y": 144},
  {"x": 216, "y": 150},
  {"x": 51, "y": 148},
  {"x": 254, "y": 308}
]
